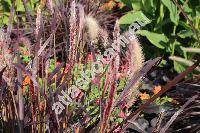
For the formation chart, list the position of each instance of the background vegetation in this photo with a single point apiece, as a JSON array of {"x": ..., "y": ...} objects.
[{"x": 171, "y": 32}]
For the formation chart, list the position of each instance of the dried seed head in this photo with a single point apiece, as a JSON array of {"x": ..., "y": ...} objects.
[
  {"x": 92, "y": 26},
  {"x": 134, "y": 54},
  {"x": 135, "y": 59}
]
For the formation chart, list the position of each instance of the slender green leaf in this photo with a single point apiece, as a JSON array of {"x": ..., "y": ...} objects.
[
  {"x": 185, "y": 33},
  {"x": 132, "y": 17},
  {"x": 20, "y": 6},
  {"x": 159, "y": 40},
  {"x": 173, "y": 10},
  {"x": 149, "y": 6},
  {"x": 136, "y": 5}
]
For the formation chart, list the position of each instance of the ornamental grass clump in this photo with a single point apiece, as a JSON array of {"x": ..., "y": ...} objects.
[{"x": 65, "y": 70}]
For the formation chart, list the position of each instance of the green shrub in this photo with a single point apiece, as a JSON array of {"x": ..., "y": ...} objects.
[{"x": 168, "y": 33}]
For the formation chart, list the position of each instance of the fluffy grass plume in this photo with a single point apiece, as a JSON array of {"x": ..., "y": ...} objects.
[{"x": 92, "y": 27}]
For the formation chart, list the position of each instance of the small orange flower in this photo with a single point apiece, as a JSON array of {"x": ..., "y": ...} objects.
[
  {"x": 77, "y": 130},
  {"x": 26, "y": 53},
  {"x": 120, "y": 5},
  {"x": 108, "y": 6},
  {"x": 41, "y": 106},
  {"x": 144, "y": 96},
  {"x": 156, "y": 89},
  {"x": 64, "y": 125},
  {"x": 26, "y": 81},
  {"x": 111, "y": 4},
  {"x": 62, "y": 79}
]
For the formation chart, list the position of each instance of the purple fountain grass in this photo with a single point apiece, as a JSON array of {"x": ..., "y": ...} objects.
[
  {"x": 108, "y": 105},
  {"x": 114, "y": 67},
  {"x": 58, "y": 41},
  {"x": 73, "y": 31}
]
